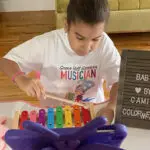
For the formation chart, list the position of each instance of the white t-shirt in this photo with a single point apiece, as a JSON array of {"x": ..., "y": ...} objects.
[{"x": 63, "y": 71}]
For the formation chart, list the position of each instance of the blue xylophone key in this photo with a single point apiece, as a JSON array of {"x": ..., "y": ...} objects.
[{"x": 50, "y": 118}]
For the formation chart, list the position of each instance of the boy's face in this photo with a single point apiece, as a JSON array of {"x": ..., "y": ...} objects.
[{"x": 84, "y": 38}]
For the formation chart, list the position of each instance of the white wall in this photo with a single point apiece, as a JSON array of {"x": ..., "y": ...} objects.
[{"x": 26, "y": 5}]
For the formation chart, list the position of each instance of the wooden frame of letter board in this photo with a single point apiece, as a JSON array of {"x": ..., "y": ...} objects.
[{"x": 133, "y": 62}]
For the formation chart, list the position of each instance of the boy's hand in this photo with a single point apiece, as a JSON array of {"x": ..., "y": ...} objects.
[
  {"x": 32, "y": 87},
  {"x": 108, "y": 112}
]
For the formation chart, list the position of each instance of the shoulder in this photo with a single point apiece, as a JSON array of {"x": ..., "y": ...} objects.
[
  {"x": 108, "y": 49},
  {"x": 107, "y": 45},
  {"x": 50, "y": 36},
  {"x": 107, "y": 40}
]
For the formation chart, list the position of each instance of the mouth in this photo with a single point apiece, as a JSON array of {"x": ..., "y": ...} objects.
[{"x": 83, "y": 53}]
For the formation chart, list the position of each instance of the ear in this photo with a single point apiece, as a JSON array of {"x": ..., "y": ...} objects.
[{"x": 66, "y": 27}]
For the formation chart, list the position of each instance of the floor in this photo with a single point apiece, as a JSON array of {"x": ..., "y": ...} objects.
[{"x": 141, "y": 41}]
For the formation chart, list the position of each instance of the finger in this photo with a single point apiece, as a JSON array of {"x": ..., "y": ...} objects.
[
  {"x": 36, "y": 88},
  {"x": 31, "y": 92},
  {"x": 106, "y": 113},
  {"x": 42, "y": 89}
]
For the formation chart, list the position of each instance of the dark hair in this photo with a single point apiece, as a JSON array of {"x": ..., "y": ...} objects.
[{"x": 88, "y": 11}]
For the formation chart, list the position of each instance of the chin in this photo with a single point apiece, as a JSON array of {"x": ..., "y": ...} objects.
[{"x": 81, "y": 54}]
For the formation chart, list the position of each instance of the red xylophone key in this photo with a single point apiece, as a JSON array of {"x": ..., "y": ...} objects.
[
  {"x": 86, "y": 115},
  {"x": 23, "y": 117}
]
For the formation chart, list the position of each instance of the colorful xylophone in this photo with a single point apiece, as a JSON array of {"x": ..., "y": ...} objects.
[{"x": 59, "y": 117}]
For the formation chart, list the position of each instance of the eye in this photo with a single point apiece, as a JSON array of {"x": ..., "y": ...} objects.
[
  {"x": 80, "y": 38},
  {"x": 96, "y": 40}
]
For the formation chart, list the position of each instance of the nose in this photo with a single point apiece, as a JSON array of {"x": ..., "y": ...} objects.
[{"x": 87, "y": 47}]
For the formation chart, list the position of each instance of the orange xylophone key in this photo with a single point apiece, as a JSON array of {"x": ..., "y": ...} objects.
[
  {"x": 77, "y": 117},
  {"x": 23, "y": 117}
]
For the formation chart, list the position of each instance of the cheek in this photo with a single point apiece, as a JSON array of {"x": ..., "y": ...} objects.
[
  {"x": 96, "y": 45},
  {"x": 72, "y": 41},
  {"x": 75, "y": 44}
]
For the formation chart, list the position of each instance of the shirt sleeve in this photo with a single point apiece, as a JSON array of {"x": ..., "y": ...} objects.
[
  {"x": 29, "y": 55},
  {"x": 110, "y": 66}
]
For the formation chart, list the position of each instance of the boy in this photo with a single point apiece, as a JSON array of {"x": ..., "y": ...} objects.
[{"x": 75, "y": 59}]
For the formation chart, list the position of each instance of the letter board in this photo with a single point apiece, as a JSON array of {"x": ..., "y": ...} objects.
[{"x": 133, "y": 102}]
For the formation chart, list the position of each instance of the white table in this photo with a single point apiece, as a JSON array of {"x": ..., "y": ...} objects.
[{"x": 137, "y": 139}]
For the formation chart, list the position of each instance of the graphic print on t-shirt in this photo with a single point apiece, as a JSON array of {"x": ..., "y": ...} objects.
[
  {"x": 81, "y": 89},
  {"x": 78, "y": 72},
  {"x": 84, "y": 77}
]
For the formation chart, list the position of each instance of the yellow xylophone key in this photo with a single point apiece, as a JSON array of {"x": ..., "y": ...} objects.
[
  {"x": 15, "y": 122},
  {"x": 68, "y": 116}
]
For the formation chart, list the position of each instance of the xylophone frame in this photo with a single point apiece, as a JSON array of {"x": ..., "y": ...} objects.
[
  {"x": 54, "y": 117},
  {"x": 87, "y": 115}
]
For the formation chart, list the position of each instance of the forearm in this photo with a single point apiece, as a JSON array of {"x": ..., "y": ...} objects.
[
  {"x": 113, "y": 95},
  {"x": 8, "y": 67}
]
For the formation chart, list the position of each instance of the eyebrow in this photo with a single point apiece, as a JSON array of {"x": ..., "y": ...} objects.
[{"x": 85, "y": 37}]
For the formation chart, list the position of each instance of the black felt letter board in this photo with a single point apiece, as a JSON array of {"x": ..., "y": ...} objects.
[{"x": 133, "y": 103}]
